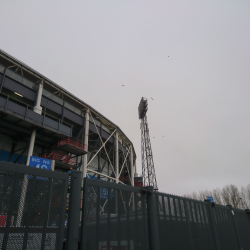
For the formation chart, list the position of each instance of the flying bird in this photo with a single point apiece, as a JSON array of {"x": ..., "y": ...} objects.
[
  {"x": 151, "y": 98},
  {"x": 153, "y": 137},
  {"x": 163, "y": 136},
  {"x": 123, "y": 85}
]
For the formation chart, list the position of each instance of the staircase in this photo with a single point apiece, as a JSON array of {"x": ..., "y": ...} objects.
[{"x": 67, "y": 160}]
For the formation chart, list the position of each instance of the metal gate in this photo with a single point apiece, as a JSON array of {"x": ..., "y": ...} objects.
[
  {"x": 120, "y": 217},
  {"x": 114, "y": 217},
  {"x": 32, "y": 207}
]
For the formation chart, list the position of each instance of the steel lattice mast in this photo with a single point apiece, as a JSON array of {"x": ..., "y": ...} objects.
[{"x": 148, "y": 170}]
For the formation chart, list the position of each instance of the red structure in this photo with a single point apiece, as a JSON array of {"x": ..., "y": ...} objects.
[
  {"x": 66, "y": 158},
  {"x": 70, "y": 142}
]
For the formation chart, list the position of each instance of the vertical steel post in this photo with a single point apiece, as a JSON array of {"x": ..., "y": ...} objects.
[
  {"x": 84, "y": 215},
  {"x": 117, "y": 156},
  {"x": 248, "y": 212},
  {"x": 235, "y": 227},
  {"x": 2, "y": 82},
  {"x": 86, "y": 142},
  {"x": 116, "y": 169},
  {"x": 211, "y": 215},
  {"x": 132, "y": 167},
  {"x": 153, "y": 225},
  {"x": 74, "y": 211}
]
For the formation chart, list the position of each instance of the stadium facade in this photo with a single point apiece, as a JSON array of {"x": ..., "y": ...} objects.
[{"x": 40, "y": 118}]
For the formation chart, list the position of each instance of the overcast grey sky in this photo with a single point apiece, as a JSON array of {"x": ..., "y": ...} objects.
[{"x": 192, "y": 57}]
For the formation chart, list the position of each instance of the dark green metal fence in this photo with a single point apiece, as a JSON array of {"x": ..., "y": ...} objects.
[
  {"x": 119, "y": 217},
  {"x": 32, "y": 207},
  {"x": 114, "y": 216}
]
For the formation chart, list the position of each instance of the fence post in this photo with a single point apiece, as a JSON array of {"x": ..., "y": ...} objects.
[
  {"x": 153, "y": 225},
  {"x": 213, "y": 224},
  {"x": 235, "y": 227},
  {"x": 74, "y": 211},
  {"x": 248, "y": 212}
]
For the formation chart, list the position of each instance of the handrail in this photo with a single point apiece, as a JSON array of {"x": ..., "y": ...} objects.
[
  {"x": 28, "y": 106},
  {"x": 71, "y": 142},
  {"x": 61, "y": 157}
]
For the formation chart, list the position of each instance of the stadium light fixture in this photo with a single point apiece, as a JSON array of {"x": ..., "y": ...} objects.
[
  {"x": 18, "y": 94},
  {"x": 143, "y": 108}
]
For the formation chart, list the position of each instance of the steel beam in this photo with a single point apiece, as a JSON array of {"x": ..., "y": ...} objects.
[{"x": 117, "y": 156}]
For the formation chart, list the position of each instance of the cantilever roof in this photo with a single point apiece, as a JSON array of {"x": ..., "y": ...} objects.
[{"x": 105, "y": 120}]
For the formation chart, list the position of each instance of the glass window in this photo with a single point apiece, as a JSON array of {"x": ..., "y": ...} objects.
[
  {"x": 97, "y": 123},
  {"x": 29, "y": 84},
  {"x": 47, "y": 93},
  {"x": 57, "y": 99},
  {"x": 19, "y": 78},
  {"x": 60, "y": 101},
  {"x": 69, "y": 106},
  {"x": 2, "y": 68},
  {"x": 105, "y": 128},
  {"x": 78, "y": 111},
  {"x": 12, "y": 74}
]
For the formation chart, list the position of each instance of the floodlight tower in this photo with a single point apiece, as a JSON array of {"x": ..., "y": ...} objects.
[{"x": 148, "y": 170}]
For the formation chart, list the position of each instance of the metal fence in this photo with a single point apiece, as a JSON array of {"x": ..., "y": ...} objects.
[
  {"x": 114, "y": 216},
  {"x": 32, "y": 207},
  {"x": 119, "y": 217}
]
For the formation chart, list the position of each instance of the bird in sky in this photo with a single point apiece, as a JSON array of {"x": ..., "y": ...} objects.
[
  {"x": 151, "y": 98},
  {"x": 163, "y": 136},
  {"x": 153, "y": 137},
  {"x": 123, "y": 85},
  {"x": 168, "y": 56}
]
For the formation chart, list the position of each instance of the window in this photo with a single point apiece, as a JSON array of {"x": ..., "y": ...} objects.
[{"x": 2, "y": 68}]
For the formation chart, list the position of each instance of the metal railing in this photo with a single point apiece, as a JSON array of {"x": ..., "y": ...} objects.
[
  {"x": 45, "y": 118},
  {"x": 124, "y": 217},
  {"x": 62, "y": 157},
  {"x": 71, "y": 142}
]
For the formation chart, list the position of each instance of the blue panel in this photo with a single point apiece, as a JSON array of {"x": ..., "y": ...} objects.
[
  {"x": 40, "y": 163},
  {"x": 5, "y": 156},
  {"x": 104, "y": 191}
]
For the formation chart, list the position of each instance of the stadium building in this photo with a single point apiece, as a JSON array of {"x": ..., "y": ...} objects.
[{"x": 40, "y": 118}]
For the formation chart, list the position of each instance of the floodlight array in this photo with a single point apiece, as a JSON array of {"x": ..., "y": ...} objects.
[{"x": 143, "y": 108}]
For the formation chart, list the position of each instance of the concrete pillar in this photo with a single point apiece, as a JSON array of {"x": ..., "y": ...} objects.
[
  {"x": 86, "y": 141},
  {"x": 132, "y": 167},
  {"x": 38, "y": 109},
  {"x": 117, "y": 156}
]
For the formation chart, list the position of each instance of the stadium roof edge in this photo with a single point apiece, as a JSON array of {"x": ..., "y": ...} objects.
[{"x": 37, "y": 74}]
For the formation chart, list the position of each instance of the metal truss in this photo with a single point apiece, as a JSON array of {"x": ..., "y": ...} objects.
[
  {"x": 148, "y": 170},
  {"x": 102, "y": 148}
]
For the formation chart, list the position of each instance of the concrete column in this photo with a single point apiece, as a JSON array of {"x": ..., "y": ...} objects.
[
  {"x": 86, "y": 141},
  {"x": 117, "y": 156},
  {"x": 136, "y": 174},
  {"x": 38, "y": 109},
  {"x": 132, "y": 167}
]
